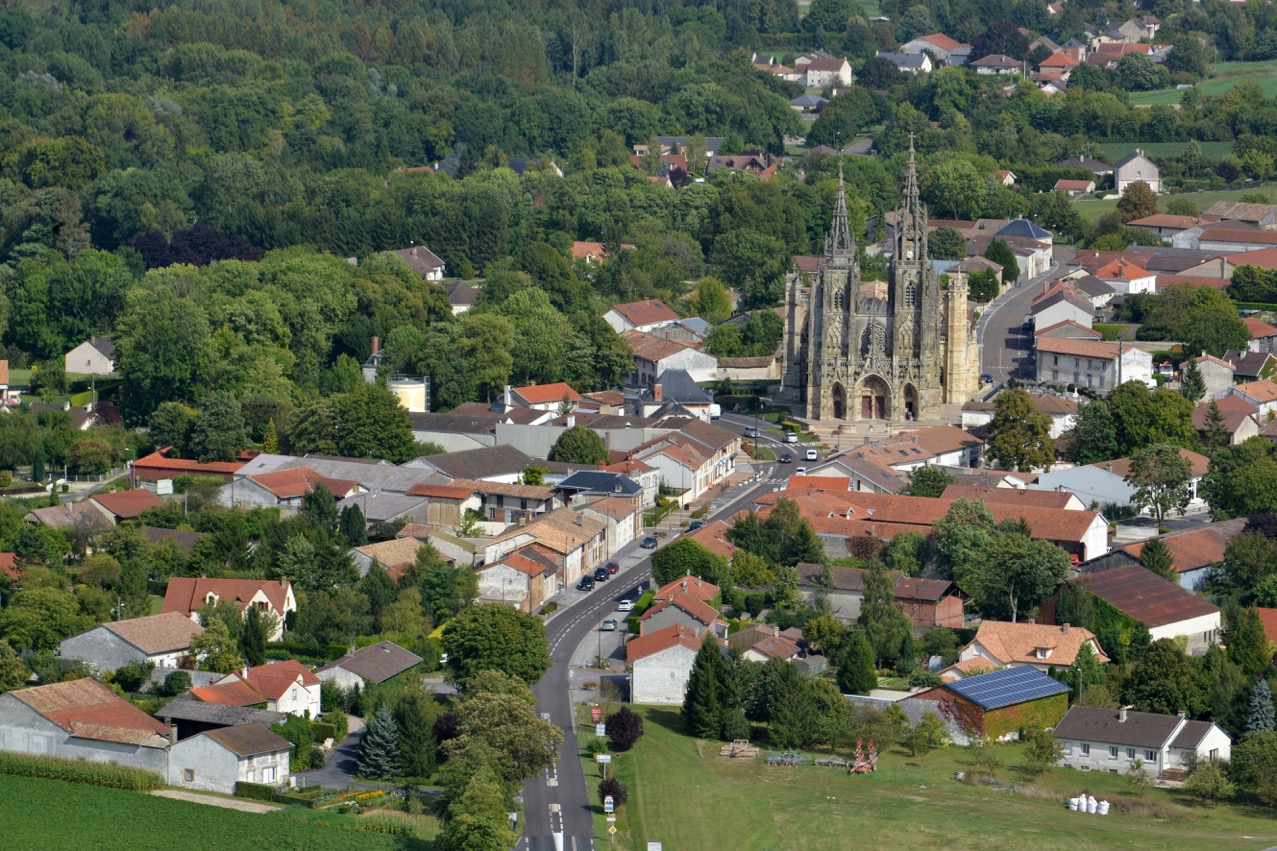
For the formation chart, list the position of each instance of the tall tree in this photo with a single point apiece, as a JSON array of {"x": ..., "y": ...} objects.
[
  {"x": 493, "y": 637},
  {"x": 379, "y": 757},
  {"x": 1019, "y": 435},
  {"x": 1191, "y": 383},
  {"x": 1137, "y": 201},
  {"x": 1161, "y": 476},
  {"x": 856, "y": 674},
  {"x": 1260, "y": 718},
  {"x": 415, "y": 715},
  {"x": 703, "y": 703},
  {"x": 1247, "y": 644},
  {"x": 1017, "y": 574},
  {"x": 352, "y": 526},
  {"x": 252, "y": 639},
  {"x": 881, "y": 619},
  {"x": 218, "y": 432},
  {"x": 1215, "y": 435},
  {"x": 927, "y": 481},
  {"x": 579, "y": 445},
  {"x": 1162, "y": 681},
  {"x": 1155, "y": 556},
  {"x": 687, "y": 557}
]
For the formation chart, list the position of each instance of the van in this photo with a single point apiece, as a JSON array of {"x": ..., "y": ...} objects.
[{"x": 812, "y": 455}]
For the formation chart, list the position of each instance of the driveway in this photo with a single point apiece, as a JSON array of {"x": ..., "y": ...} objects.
[
  {"x": 339, "y": 771},
  {"x": 213, "y": 801}
]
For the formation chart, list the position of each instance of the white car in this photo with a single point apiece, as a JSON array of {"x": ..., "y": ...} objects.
[
  {"x": 812, "y": 455},
  {"x": 791, "y": 437},
  {"x": 800, "y": 471},
  {"x": 625, "y": 606}
]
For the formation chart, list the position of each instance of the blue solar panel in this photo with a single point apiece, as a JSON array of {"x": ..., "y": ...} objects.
[{"x": 1010, "y": 685}]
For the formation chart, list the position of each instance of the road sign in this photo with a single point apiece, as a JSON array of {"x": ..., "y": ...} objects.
[
  {"x": 600, "y": 729},
  {"x": 611, "y": 819},
  {"x": 602, "y": 758},
  {"x": 612, "y": 830},
  {"x": 608, "y": 806},
  {"x": 653, "y": 846},
  {"x": 596, "y": 715}
]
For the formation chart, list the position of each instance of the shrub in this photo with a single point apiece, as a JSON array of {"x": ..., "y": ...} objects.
[
  {"x": 77, "y": 771},
  {"x": 549, "y": 607},
  {"x": 383, "y": 821},
  {"x": 923, "y": 678},
  {"x": 323, "y": 730},
  {"x": 134, "y": 675},
  {"x": 256, "y": 791},
  {"x": 624, "y": 728},
  {"x": 613, "y": 787},
  {"x": 174, "y": 684}
]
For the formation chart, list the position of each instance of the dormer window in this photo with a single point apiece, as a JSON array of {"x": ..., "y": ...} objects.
[{"x": 1042, "y": 652}]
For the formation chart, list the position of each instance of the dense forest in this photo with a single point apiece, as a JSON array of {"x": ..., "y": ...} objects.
[{"x": 190, "y": 178}]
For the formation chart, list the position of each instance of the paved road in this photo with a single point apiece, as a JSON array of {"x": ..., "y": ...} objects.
[
  {"x": 558, "y": 814},
  {"x": 1004, "y": 346},
  {"x": 339, "y": 770}
]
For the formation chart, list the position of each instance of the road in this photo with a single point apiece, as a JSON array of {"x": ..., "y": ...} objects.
[
  {"x": 1004, "y": 346},
  {"x": 558, "y": 807}
]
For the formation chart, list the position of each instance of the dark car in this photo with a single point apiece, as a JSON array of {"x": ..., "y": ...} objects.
[
  {"x": 600, "y": 574},
  {"x": 695, "y": 524},
  {"x": 785, "y": 458},
  {"x": 612, "y": 568},
  {"x": 649, "y": 543},
  {"x": 586, "y": 584}
]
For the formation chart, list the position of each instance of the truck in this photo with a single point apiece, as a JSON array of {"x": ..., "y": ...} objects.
[{"x": 715, "y": 411}]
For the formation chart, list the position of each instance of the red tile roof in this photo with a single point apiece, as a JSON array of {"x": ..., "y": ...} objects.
[
  {"x": 540, "y": 394},
  {"x": 299, "y": 481},
  {"x": 1164, "y": 220},
  {"x": 693, "y": 585},
  {"x": 452, "y": 490},
  {"x": 1268, "y": 617},
  {"x": 1066, "y": 185},
  {"x": 1196, "y": 548},
  {"x": 1121, "y": 270},
  {"x": 9, "y": 565},
  {"x": 713, "y": 537},
  {"x": 650, "y": 347},
  {"x": 274, "y": 679},
  {"x": 943, "y": 41},
  {"x": 186, "y": 594},
  {"x": 163, "y": 633},
  {"x": 1261, "y": 391},
  {"x": 647, "y": 312},
  {"x": 1019, "y": 642},
  {"x": 693, "y": 605},
  {"x": 1122, "y": 466},
  {"x": 234, "y": 692},
  {"x": 1264, "y": 258},
  {"x": 663, "y": 639},
  {"x": 1259, "y": 328},
  {"x": 1076, "y": 326},
  {"x": 161, "y": 460},
  {"x": 1239, "y": 235},
  {"x": 1098, "y": 349},
  {"x": 127, "y": 505},
  {"x": 1011, "y": 496},
  {"x": 89, "y": 710}
]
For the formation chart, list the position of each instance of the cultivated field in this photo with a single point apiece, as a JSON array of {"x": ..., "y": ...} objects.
[
  {"x": 1226, "y": 75},
  {"x": 1091, "y": 209}
]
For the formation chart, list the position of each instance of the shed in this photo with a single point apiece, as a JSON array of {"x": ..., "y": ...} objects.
[{"x": 998, "y": 704}]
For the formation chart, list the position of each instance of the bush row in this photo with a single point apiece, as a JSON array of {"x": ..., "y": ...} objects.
[
  {"x": 80, "y": 771},
  {"x": 396, "y": 824}
]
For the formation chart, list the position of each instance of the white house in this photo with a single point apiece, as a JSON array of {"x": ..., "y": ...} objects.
[
  {"x": 1127, "y": 278},
  {"x": 654, "y": 355},
  {"x": 661, "y": 664},
  {"x": 946, "y": 50},
  {"x": 1096, "y": 364},
  {"x": 1105, "y": 482},
  {"x": 215, "y": 760},
  {"x": 1262, "y": 394},
  {"x": 999, "y": 644},
  {"x": 639, "y": 316},
  {"x": 190, "y": 594},
  {"x": 95, "y": 356},
  {"x": 1061, "y": 303},
  {"x": 287, "y": 686},
  {"x": 164, "y": 640},
  {"x": 821, "y": 72},
  {"x": 1136, "y": 167},
  {"x": 423, "y": 261},
  {"x": 1111, "y": 740}
]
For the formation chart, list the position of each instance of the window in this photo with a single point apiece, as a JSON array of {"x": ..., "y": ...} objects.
[
  {"x": 1150, "y": 756},
  {"x": 1077, "y": 377},
  {"x": 1068, "y": 748},
  {"x": 1214, "y": 754},
  {"x": 294, "y": 694},
  {"x": 1077, "y": 362},
  {"x": 1130, "y": 753},
  {"x": 1113, "y": 752},
  {"x": 268, "y": 774},
  {"x": 1086, "y": 749},
  {"x": 1101, "y": 379},
  {"x": 188, "y": 775},
  {"x": 1055, "y": 360},
  {"x": 910, "y": 295},
  {"x": 1088, "y": 364}
]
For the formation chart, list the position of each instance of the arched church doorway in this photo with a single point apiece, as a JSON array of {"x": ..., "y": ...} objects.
[
  {"x": 911, "y": 402},
  {"x": 874, "y": 394},
  {"x": 839, "y": 395}
]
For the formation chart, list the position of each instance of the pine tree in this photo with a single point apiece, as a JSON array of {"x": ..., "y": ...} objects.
[
  {"x": 270, "y": 440},
  {"x": 37, "y": 465},
  {"x": 703, "y": 703},
  {"x": 1247, "y": 644},
  {"x": 1216, "y": 435},
  {"x": 908, "y": 659},
  {"x": 379, "y": 748},
  {"x": 856, "y": 673},
  {"x": 252, "y": 639},
  {"x": 1261, "y": 718},
  {"x": 1156, "y": 557},
  {"x": 352, "y": 526},
  {"x": 1192, "y": 386},
  {"x": 417, "y": 748}
]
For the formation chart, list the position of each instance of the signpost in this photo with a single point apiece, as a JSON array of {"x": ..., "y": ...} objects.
[
  {"x": 608, "y": 805},
  {"x": 603, "y": 759},
  {"x": 600, "y": 730},
  {"x": 596, "y": 714}
]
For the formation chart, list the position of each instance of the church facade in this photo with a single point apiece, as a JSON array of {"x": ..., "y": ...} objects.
[{"x": 869, "y": 350}]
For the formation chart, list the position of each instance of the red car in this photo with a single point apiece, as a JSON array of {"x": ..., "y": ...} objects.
[{"x": 612, "y": 568}]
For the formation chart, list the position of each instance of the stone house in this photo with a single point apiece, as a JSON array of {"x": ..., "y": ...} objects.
[
  {"x": 373, "y": 664},
  {"x": 1136, "y": 167},
  {"x": 214, "y": 761},
  {"x": 999, "y": 704},
  {"x": 524, "y": 579},
  {"x": 661, "y": 664},
  {"x": 188, "y": 595},
  {"x": 164, "y": 640}
]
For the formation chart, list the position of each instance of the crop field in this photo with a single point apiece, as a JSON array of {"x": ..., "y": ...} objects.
[
  {"x": 1226, "y": 75},
  {"x": 1090, "y": 209}
]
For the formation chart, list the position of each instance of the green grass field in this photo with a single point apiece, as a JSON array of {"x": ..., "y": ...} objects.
[
  {"x": 682, "y": 793},
  {"x": 1114, "y": 151},
  {"x": 54, "y": 814},
  {"x": 1225, "y": 76},
  {"x": 1090, "y": 209}
]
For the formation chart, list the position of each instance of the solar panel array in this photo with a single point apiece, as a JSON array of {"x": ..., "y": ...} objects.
[{"x": 1010, "y": 685}]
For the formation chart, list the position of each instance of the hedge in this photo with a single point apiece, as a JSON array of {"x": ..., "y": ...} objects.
[
  {"x": 80, "y": 771},
  {"x": 256, "y": 791},
  {"x": 323, "y": 730}
]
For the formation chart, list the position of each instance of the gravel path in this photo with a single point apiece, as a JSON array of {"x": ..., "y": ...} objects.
[{"x": 214, "y": 801}]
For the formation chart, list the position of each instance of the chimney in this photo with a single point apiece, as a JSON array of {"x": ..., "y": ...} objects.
[
  {"x": 571, "y": 420},
  {"x": 244, "y": 673},
  {"x": 1064, "y": 629},
  {"x": 1121, "y": 714},
  {"x": 172, "y": 733},
  {"x": 915, "y": 439},
  {"x": 658, "y": 393},
  {"x": 1109, "y": 466},
  {"x": 376, "y": 345}
]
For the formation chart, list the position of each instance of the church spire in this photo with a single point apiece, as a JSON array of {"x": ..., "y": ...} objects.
[
  {"x": 840, "y": 246},
  {"x": 911, "y": 220}
]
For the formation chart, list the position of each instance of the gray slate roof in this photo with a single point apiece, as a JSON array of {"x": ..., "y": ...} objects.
[
  {"x": 1139, "y": 730},
  {"x": 601, "y": 482},
  {"x": 375, "y": 663},
  {"x": 185, "y": 708},
  {"x": 479, "y": 463}
]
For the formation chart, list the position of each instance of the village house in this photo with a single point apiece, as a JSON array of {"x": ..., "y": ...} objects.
[
  {"x": 1218, "y": 374},
  {"x": 524, "y": 579},
  {"x": 284, "y": 489},
  {"x": 1164, "y": 224},
  {"x": 95, "y": 356},
  {"x": 946, "y": 50},
  {"x": 910, "y": 63},
  {"x": 287, "y": 686},
  {"x": 1105, "y": 483},
  {"x": 684, "y": 609},
  {"x": 1250, "y": 366},
  {"x": 1061, "y": 409},
  {"x": 82, "y": 719},
  {"x": 661, "y": 664},
  {"x": 1094, "y": 364},
  {"x": 161, "y": 464},
  {"x": 575, "y": 543},
  {"x": 395, "y": 556},
  {"x": 188, "y": 716},
  {"x": 928, "y": 602},
  {"x": 1262, "y": 394},
  {"x": 163, "y": 640},
  {"x": 1122, "y": 741},
  {"x": 639, "y": 316},
  {"x": 461, "y": 296},
  {"x": 1263, "y": 337},
  {"x": 1074, "y": 188},
  {"x": 998, "y": 644},
  {"x": 1061, "y": 303},
  {"x": 997, "y": 63},
  {"x": 675, "y": 393},
  {"x": 1135, "y": 167},
  {"x": 119, "y": 506},
  {"x": 554, "y": 397},
  {"x": 371, "y": 665},
  {"x": 623, "y": 516},
  {"x": 1055, "y": 500},
  {"x": 216, "y": 760},
  {"x": 423, "y": 261},
  {"x": 1238, "y": 418},
  {"x": 655, "y": 355},
  {"x": 187, "y": 595},
  {"x": 1164, "y": 607},
  {"x": 1195, "y": 552}
]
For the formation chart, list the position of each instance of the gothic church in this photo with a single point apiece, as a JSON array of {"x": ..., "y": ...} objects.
[{"x": 858, "y": 350}]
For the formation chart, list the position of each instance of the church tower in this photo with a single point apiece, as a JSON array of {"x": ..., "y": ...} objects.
[{"x": 832, "y": 299}]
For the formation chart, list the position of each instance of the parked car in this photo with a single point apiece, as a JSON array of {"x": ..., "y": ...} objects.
[
  {"x": 613, "y": 567},
  {"x": 609, "y": 625},
  {"x": 785, "y": 458},
  {"x": 600, "y": 574},
  {"x": 800, "y": 470},
  {"x": 985, "y": 378},
  {"x": 751, "y": 432},
  {"x": 791, "y": 437},
  {"x": 586, "y": 583},
  {"x": 625, "y": 606},
  {"x": 812, "y": 455},
  {"x": 649, "y": 543},
  {"x": 695, "y": 524}
]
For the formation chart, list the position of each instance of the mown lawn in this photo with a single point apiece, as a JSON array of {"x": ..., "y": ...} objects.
[
  {"x": 1224, "y": 77},
  {"x": 1090, "y": 209},
  {"x": 1114, "y": 151},
  {"x": 681, "y": 792},
  {"x": 70, "y": 816}
]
